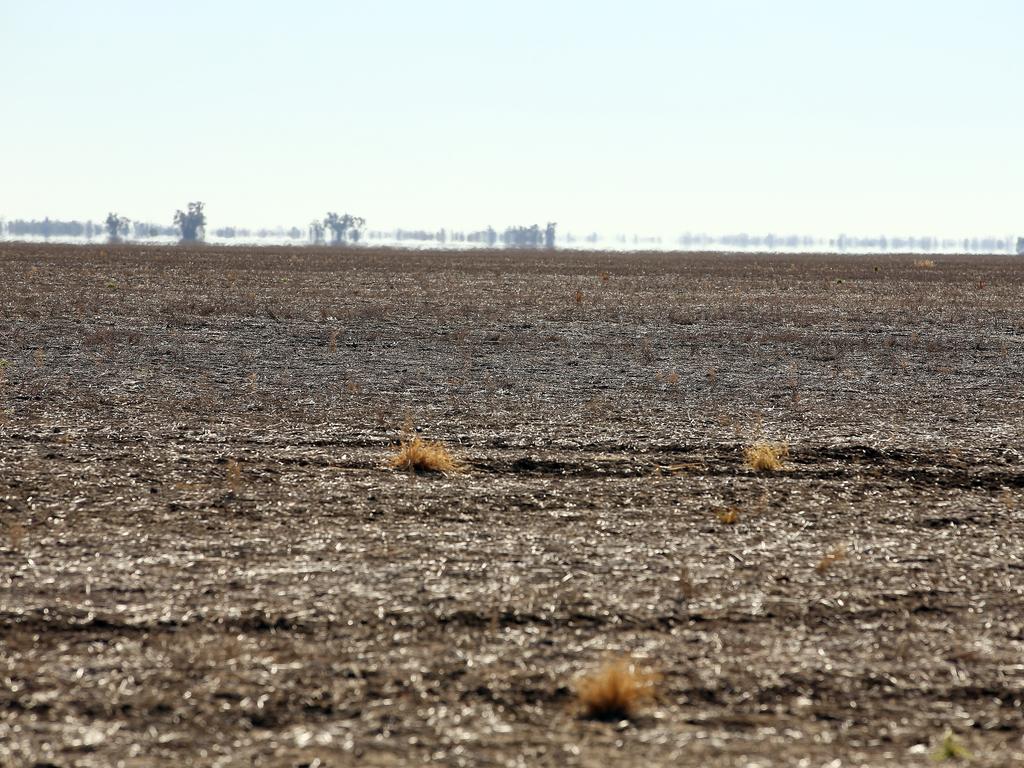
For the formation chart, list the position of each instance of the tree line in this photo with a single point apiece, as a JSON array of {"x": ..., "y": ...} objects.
[{"x": 189, "y": 225}]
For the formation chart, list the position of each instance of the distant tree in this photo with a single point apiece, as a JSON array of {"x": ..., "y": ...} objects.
[
  {"x": 116, "y": 227},
  {"x": 1020, "y": 246},
  {"x": 191, "y": 223},
  {"x": 549, "y": 235},
  {"x": 316, "y": 232},
  {"x": 529, "y": 237},
  {"x": 294, "y": 233},
  {"x": 343, "y": 225},
  {"x": 338, "y": 225},
  {"x": 356, "y": 226}
]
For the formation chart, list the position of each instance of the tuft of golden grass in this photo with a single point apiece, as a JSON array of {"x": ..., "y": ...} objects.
[
  {"x": 924, "y": 263},
  {"x": 418, "y": 455},
  {"x": 765, "y": 457},
  {"x": 615, "y": 691}
]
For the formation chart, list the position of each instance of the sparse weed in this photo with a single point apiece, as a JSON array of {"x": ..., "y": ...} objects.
[
  {"x": 597, "y": 407},
  {"x": 924, "y": 263},
  {"x": 615, "y": 691},
  {"x": 646, "y": 351},
  {"x": 728, "y": 515},
  {"x": 765, "y": 457},
  {"x": 830, "y": 558},
  {"x": 108, "y": 337},
  {"x": 332, "y": 341},
  {"x": 15, "y": 534},
  {"x": 234, "y": 475},
  {"x": 950, "y": 749},
  {"x": 418, "y": 455},
  {"x": 686, "y": 586}
]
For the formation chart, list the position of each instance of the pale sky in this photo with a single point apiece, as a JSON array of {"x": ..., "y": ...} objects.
[{"x": 807, "y": 116}]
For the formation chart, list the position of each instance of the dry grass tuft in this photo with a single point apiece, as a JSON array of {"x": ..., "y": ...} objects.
[
  {"x": 924, "y": 263},
  {"x": 418, "y": 455},
  {"x": 615, "y": 691},
  {"x": 728, "y": 515},
  {"x": 766, "y": 457}
]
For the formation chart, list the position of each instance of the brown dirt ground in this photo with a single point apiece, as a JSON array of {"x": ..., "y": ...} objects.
[{"x": 204, "y": 561}]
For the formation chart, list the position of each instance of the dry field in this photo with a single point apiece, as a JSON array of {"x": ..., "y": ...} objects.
[{"x": 211, "y": 555}]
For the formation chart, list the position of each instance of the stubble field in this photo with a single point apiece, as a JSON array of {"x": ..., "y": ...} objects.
[{"x": 204, "y": 559}]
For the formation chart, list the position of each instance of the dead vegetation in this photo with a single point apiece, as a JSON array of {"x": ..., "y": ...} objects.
[
  {"x": 615, "y": 691},
  {"x": 233, "y": 474},
  {"x": 414, "y": 454},
  {"x": 728, "y": 515},
  {"x": 766, "y": 457},
  {"x": 835, "y": 555}
]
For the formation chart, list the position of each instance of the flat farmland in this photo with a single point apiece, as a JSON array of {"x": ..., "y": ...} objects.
[{"x": 206, "y": 560}]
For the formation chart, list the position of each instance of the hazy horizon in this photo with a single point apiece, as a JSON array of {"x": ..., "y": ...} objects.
[{"x": 672, "y": 117}]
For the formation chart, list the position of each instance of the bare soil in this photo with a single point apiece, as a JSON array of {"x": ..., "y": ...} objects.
[{"x": 204, "y": 559}]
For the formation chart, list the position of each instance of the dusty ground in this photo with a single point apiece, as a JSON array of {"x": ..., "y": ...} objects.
[{"x": 204, "y": 562}]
